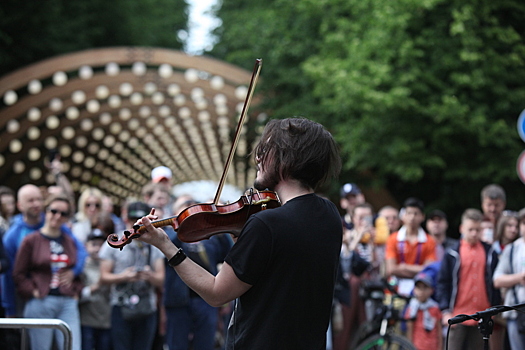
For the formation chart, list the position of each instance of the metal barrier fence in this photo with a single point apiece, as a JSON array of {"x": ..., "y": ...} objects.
[{"x": 24, "y": 323}]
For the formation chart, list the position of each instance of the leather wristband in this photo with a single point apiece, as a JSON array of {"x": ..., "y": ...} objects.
[{"x": 177, "y": 258}]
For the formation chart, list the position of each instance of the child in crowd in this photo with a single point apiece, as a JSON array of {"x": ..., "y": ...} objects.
[
  {"x": 95, "y": 311},
  {"x": 424, "y": 326}
]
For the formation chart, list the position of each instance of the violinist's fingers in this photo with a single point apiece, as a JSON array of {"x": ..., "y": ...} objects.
[
  {"x": 152, "y": 212},
  {"x": 146, "y": 221}
]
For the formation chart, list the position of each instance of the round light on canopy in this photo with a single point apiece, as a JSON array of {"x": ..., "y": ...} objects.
[
  {"x": 102, "y": 92},
  {"x": 19, "y": 167},
  {"x": 33, "y": 114},
  {"x": 85, "y": 72},
  {"x": 10, "y": 97},
  {"x": 51, "y": 142},
  {"x": 34, "y": 87},
  {"x": 15, "y": 146},
  {"x": 112, "y": 69},
  {"x": 72, "y": 113},
  {"x": 33, "y": 133},
  {"x": 165, "y": 70},
  {"x": 60, "y": 78},
  {"x": 138, "y": 68},
  {"x": 78, "y": 97},
  {"x": 52, "y": 122},
  {"x": 13, "y": 126},
  {"x": 35, "y": 174}
]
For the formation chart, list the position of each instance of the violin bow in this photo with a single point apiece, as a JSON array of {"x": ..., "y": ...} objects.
[{"x": 247, "y": 101}]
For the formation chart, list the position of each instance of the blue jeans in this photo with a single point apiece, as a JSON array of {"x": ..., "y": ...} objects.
[
  {"x": 96, "y": 338},
  {"x": 132, "y": 335},
  {"x": 516, "y": 339},
  {"x": 52, "y": 306},
  {"x": 197, "y": 318}
]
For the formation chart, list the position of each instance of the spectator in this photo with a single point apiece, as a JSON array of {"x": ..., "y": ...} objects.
[
  {"x": 95, "y": 311},
  {"x": 30, "y": 204},
  {"x": 391, "y": 215},
  {"x": 410, "y": 249},
  {"x": 43, "y": 274},
  {"x": 507, "y": 230},
  {"x": 157, "y": 196},
  {"x": 188, "y": 315},
  {"x": 465, "y": 282},
  {"x": 89, "y": 208},
  {"x": 109, "y": 207},
  {"x": 354, "y": 247},
  {"x": 424, "y": 326},
  {"x": 437, "y": 226},
  {"x": 139, "y": 267},
  {"x": 5, "y": 334},
  {"x": 510, "y": 274},
  {"x": 162, "y": 175},
  {"x": 7, "y": 208},
  {"x": 351, "y": 196},
  {"x": 493, "y": 202}
]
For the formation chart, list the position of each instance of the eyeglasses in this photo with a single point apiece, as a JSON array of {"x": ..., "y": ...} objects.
[
  {"x": 96, "y": 205},
  {"x": 63, "y": 214}
]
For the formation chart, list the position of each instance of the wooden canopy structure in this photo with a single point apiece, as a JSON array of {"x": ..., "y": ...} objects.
[{"x": 113, "y": 114}]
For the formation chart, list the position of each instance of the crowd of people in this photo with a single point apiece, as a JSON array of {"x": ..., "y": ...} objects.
[
  {"x": 255, "y": 290},
  {"x": 440, "y": 275},
  {"x": 55, "y": 263}
]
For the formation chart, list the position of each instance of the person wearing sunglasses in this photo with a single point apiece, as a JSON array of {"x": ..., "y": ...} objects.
[
  {"x": 43, "y": 276},
  {"x": 32, "y": 217},
  {"x": 89, "y": 209}
]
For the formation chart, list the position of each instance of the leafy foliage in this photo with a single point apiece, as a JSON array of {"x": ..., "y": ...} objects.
[
  {"x": 32, "y": 30},
  {"x": 422, "y": 96}
]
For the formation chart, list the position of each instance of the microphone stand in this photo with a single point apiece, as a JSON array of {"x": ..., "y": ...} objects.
[{"x": 484, "y": 318}]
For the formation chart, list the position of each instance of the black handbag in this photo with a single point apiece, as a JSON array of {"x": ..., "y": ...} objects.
[{"x": 136, "y": 301}]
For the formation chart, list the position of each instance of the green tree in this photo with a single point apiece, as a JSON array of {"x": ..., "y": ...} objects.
[
  {"x": 426, "y": 93},
  {"x": 33, "y": 30},
  {"x": 422, "y": 96}
]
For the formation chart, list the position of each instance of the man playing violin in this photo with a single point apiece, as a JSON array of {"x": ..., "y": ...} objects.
[{"x": 282, "y": 269}]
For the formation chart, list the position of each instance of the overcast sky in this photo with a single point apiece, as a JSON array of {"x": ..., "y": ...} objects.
[{"x": 201, "y": 23}]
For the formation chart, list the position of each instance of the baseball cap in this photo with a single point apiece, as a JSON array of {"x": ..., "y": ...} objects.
[
  {"x": 136, "y": 210},
  {"x": 350, "y": 188},
  {"x": 161, "y": 173},
  {"x": 96, "y": 233},
  {"x": 437, "y": 214},
  {"x": 425, "y": 278}
]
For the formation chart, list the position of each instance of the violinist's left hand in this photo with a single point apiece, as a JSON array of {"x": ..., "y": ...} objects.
[{"x": 155, "y": 236}]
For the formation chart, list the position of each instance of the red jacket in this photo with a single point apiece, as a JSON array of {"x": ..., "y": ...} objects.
[{"x": 33, "y": 266}]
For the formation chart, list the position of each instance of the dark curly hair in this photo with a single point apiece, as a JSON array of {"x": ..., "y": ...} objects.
[{"x": 300, "y": 149}]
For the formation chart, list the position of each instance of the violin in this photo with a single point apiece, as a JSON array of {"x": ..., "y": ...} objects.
[{"x": 201, "y": 221}]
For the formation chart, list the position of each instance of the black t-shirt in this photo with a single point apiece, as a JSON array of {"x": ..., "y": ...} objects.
[{"x": 290, "y": 256}]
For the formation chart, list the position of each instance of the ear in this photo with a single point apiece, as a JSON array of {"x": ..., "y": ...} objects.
[{"x": 344, "y": 203}]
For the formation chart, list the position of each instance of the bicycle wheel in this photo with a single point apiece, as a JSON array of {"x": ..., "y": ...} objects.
[
  {"x": 365, "y": 331},
  {"x": 388, "y": 342}
]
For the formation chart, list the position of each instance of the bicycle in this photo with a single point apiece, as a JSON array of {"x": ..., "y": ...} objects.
[{"x": 378, "y": 333}]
